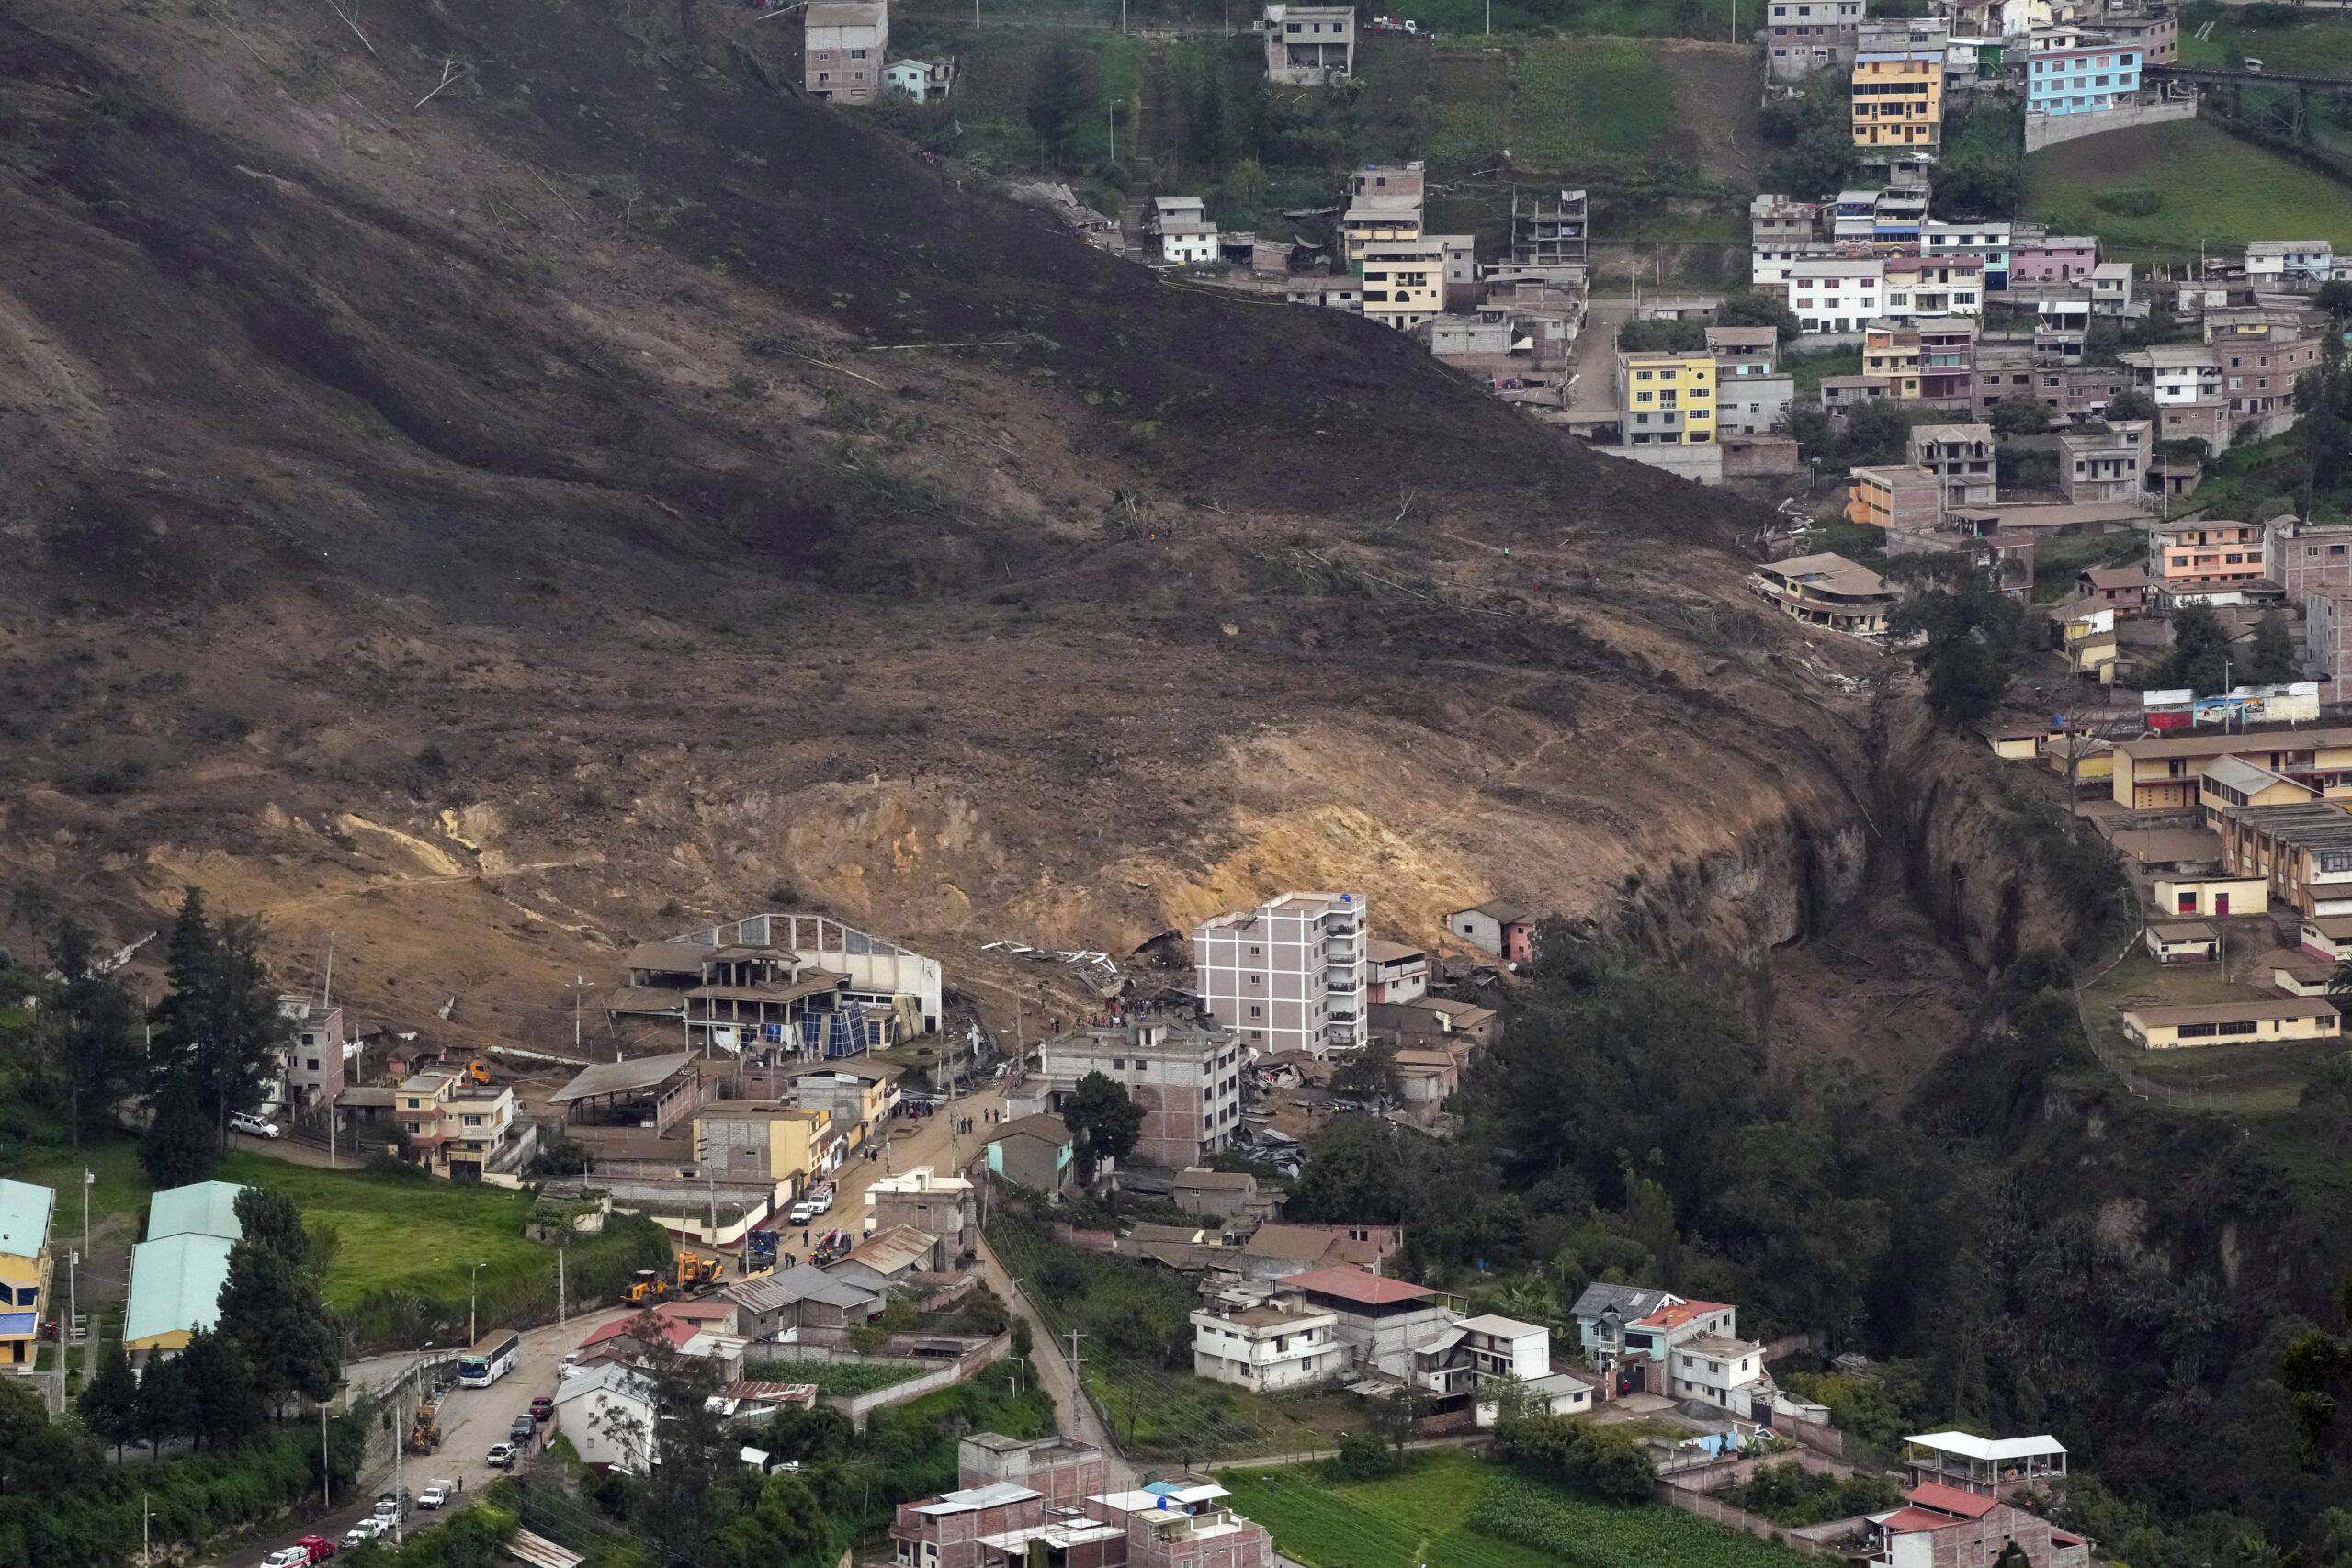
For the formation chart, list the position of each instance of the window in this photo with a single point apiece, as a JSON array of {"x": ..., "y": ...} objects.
[
  {"x": 1255, "y": 1011},
  {"x": 311, "y": 1066}
]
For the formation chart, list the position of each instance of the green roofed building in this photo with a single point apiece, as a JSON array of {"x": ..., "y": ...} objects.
[
  {"x": 201, "y": 1208},
  {"x": 176, "y": 1273},
  {"x": 24, "y": 1266}
]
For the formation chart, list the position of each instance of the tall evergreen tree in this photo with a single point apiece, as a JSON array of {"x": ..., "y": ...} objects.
[
  {"x": 269, "y": 1305},
  {"x": 218, "y": 1022},
  {"x": 1056, "y": 102},
  {"x": 180, "y": 1146},
  {"x": 110, "y": 1404},
  {"x": 88, "y": 1035},
  {"x": 222, "y": 1406},
  {"x": 165, "y": 1409}
]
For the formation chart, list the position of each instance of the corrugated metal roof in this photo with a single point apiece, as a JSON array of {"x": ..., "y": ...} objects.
[
  {"x": 622, "y": 1078},
  {"x": 176, "y": 1285},
  {"x": 24, "y": 1217},
  {"x": 201, "y": 1208}
]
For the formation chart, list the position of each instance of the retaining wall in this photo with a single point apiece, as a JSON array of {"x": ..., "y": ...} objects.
[{"x": 2048, "y": 130}]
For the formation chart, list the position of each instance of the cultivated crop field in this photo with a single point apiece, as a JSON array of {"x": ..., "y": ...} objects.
[
  {"x": 1586, "y": 100},
  {"x": 1449, "y": 1510}
]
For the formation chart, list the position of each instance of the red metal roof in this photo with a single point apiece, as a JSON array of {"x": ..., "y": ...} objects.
[
  {"x": 1356, "y": 1285},
  {"x": 1951, "y": 1500},
  {"x": 1906, "y": 1522},
  {"x": 675, "y": 1330},
  {"x": 1676, "y": 1316}
]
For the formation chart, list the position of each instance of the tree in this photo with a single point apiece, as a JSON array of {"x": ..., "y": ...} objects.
[
  {"x": 2131, "y": 404},
  {"x": 166, "y": 1407},
  {"x": 38, "y": 1458},
  {"x": 1746, "y": 307},
  {"x": 87, "y": 1036},
  {"x": 219, "y": 1022},
  {"x": 1371, "y": 1072},
  {"x": 683, "y": 1496},
  {"x": 110, "y": 1404},
  {"x": 1969, "y": 629},
  {"x": 1055, "y": 101},
  {"x": 269, "y": 1218},
  {"x": 782, "y": 1524},
  {"x": 222, "y": 1406},
  {"x": 1104, "y": 1120},
  {"x": 2274, "y": 652},
  {"x": 1876, "y": 432},
  {"x": 180, "y": 1146},
  {"x": 2199, "y": 658},
  {"x": 2020, "y": 415},
  {"x": 269, "y": 1305},
  {"x": 1024, "y": 1338}
]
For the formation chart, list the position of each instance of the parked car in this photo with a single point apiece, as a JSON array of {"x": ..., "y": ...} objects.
[
  {"x": 436, "y": 1495},
  {"x": 319, "y": 1547},
  {"x": 2252, "y": 64},
  {"x": 367, "y": 1528},
  {"x": 256, "y": 1126},
  {"x": 288, "y": 1557},
  {"x": 523, "y": 1430},
  {"x": 388, "y": 1506},
  {"x": 542, "y": 1409},
  {"x": 802, "y": 1212},
  {"x": 500, "y": 1456}
]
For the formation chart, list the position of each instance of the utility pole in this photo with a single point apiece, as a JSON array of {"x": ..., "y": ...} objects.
[
  {"x": 579, "y": 990},
  {"x": 326, "y": 1483},
  {"x": 89, "y": 1179},
  {"x": 1112, "y": 110},
  {"x": 326, "y": 992},
  {"x": 473, "y": 1278},
  {"x": 558, "y": 1287},
  {"x": 143, "y": 1517}
]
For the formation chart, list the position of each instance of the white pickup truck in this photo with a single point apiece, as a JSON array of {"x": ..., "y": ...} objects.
[{"x": 437, "y": 1495}]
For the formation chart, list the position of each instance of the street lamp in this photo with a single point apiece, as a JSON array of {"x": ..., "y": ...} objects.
[{"x": 471, "y": 1279}]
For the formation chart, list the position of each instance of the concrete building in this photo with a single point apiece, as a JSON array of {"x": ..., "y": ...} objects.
[
  {"x": 1986, "y": 238},
  {"x": 1920, "y": 287},
  {"x": 2205, "y": 555},
  {"x": 1380, "y": 1321},
  {"x": 1826, "y": 591},
  {"x": 607, "y": 1414},
  {"x": 844, "y": 44},
  {"x": 771, "y": 1306},
  {"x": 1753, "y": 405},
  {"x": 1938, "y": 1527},
  {"x": 922, "y": 81},
  {"x": 777, "y": 983},
  {"x": 1393, "y": 972},
  {"x": 1404, "y": 280},
  {"x": 2254, "y": 1020},
  {"x": 1186, "y": 1077},
  {"x": 2041, "y": 259},
  {"x": 25, "y": 1267},
  {"x": 1309, "y": 46},
  {"x": 2280, "y": 262},
  {"x": 766, "y": 1138},
  {"x": 313, "y": 1062},
  {"x": 1548, "y": 231},
  {"x": 1897, "y": 499},
  {"x": 923, "y": 1200},
  {"x": 1503, "y": 929},
  {"x": 1038, "y": 1152},
  {"x": 1183, "y": 234},
  {"x": 1899, "y": 100},
  {"x": 1808, "y": 36},
  {"x": 1986, "y": 1467},
  {"x": 1837, "y": 295},
  {"x": 2106, "y": 462},
  {"x": 857, "y": 1098},
  {"x": 1960, "y": 457},
  {"x": 2160, "y": 775},
  {"x": 1277, "y": 1342},
  {"x": 2072, "y": 72},
  {"x": 1667, "y": 397},
  {"x": 2302, "y": 854},
  {"x": 1289, "y": 975},
  {"x": 1383, "y": 203}
]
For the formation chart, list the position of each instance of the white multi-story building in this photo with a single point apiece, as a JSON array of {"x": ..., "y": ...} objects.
[
  {"x": 1289, "y": 975},
  {"x": 1181, "y": 224},
  {"x": 2273, "y": 261},
  {"x": 1841, "y": 294},
  {"x": 1986, "y": 238},
  {"x": 1280, "y": 1342}
]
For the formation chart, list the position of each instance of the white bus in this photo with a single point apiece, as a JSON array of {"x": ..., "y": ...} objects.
[{"x": 490, "y": 1360}]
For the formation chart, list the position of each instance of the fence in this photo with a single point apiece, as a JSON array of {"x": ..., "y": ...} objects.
[
  {"x": 1706, "y": 1507},
  {"x": 858, "y": 1406}
]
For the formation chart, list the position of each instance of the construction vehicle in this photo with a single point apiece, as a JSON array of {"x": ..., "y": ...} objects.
[
  {"x": 697, "y": 1273},
  {"x": 649, "y": 1288},
  {"x": 426, "y": 1434},
  {"x": 831, "y": 1247},
  {"x": 759, "y": 1252},
  {"x": 477, "y": 1071}
]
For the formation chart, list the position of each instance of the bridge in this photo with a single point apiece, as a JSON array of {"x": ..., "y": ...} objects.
[{"x": 2299, "y": 120}]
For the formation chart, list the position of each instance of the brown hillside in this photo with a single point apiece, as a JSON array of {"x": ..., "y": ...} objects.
[{"x": 491, "y": 531}]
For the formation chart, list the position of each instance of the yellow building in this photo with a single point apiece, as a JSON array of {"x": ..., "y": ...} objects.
[
  {"x": 1666, "y": 398},
  {"x": 2164, "y": 774},
  {"x": 1899, "y": 100},
  {"x": 25, "y": 1210},
  {"x": 762, "y": 1138},
  {"x": 2234, "y": 781},
  {"x": 2256, "y": 1019}
]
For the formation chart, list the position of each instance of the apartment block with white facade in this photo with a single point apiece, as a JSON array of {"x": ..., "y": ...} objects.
[
  {"x": 1840, "y": 294},
  {"x": 1280, "y": 1342},
  {"x": 1986, "y": 238},
  {"x": 1291, "y": 975}
]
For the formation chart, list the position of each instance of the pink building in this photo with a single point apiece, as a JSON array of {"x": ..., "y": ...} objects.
[{"x": 2054, "y": 258}]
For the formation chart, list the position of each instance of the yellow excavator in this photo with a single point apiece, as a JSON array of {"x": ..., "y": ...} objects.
[{"x": 696, "y": 1272}]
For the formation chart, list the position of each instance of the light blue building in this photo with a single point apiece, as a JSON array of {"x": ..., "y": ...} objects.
[{"x": 2068, "y": 73}]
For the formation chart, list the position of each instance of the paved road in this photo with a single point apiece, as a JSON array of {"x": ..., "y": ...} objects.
[
  {"x": 1075, "y": 1415},
  {"x": 1593, "y": 360},
  {"x": 472, "y": 1420}
]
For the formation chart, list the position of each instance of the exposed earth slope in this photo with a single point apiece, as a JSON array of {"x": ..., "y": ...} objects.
[{"x": 488, "y": 523}]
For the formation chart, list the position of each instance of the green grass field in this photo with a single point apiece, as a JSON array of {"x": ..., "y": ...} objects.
[
  {"x": 1578, "y": 102},
  {"x": 2218, "y": 192},
  {"x": 401, "y": 1247},
  {"x": 2319, "y": 43},
  {"x": 1449, "y": 1510}
]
